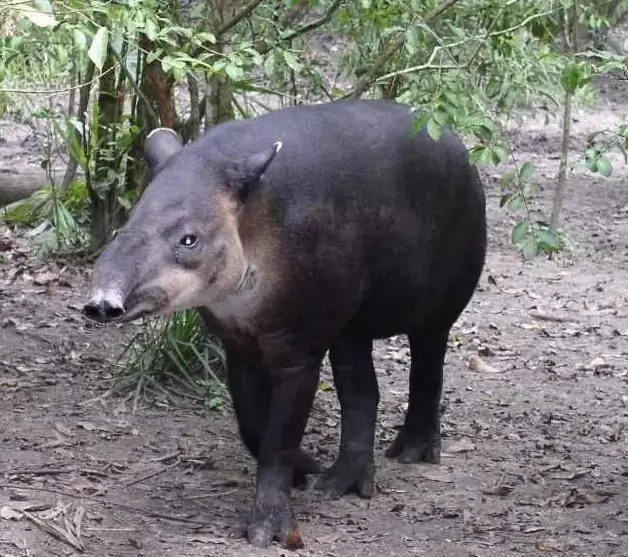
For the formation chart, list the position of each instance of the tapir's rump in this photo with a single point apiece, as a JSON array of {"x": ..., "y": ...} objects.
[{"x": 308, "y": 230}]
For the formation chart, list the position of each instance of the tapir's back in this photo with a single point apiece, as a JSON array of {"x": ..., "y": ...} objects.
[{"x": 355, "y": 155}]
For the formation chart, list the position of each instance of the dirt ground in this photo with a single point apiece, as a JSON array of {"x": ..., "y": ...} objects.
[{"x": 535, "y": 441}]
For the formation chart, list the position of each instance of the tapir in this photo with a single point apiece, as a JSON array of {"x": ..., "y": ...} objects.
[{"x": 305, "y": 231}]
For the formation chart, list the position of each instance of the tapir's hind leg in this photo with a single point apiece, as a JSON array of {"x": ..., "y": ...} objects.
[
  {"x": 356, "y": 383},
  {"x": 419, "y": 438}
]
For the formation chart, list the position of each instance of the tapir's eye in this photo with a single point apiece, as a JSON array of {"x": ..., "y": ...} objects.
[{"x": 189, "y": 240}]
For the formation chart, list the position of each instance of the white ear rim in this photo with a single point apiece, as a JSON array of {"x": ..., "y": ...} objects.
[
  {"x": 163, "y": 130},
  {"x": 278, "y": 146}
]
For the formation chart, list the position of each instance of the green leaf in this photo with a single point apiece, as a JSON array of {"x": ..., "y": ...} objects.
[
  {"x": 79, "y": 38},
  {"x": 515, "y": 203},
  {"x": 150, "y": 29},
  {"x": 270, "y": 65},
  {"x": 291, "y": 61},
  {"x": 40, "y": 13},
  {"x": 98, "y": 50},
  {"x": 207, "y": 37},
  {"x": 420, "y": 120},
  {"x": 530, "y": 249},
  {"x": 520, "y": 231},
  {"x": 482, "y": 156},
  {"x": 526, "y": 171},
  {"x": 604, "y": 167},
  {"x": 572, "y": 77},
  {"x": 547, "y": 240},
  {"x": 499, "y": 155},
  {"x": 507, "y": 179},
  {"x": 433, "y": 129},
  {"x": 233, "y": 71},
  {"x": 483, "y": 133}
]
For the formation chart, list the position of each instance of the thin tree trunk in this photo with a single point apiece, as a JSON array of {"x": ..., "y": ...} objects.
[{"x": 561, "y": 181}]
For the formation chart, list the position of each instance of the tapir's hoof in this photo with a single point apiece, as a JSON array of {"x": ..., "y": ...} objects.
[
  {"x": 409, "y": 448},
  {"x": 304, "y": 464},
  {"x": 274, "y": 523},
  {"x": 353, "y": 473}
]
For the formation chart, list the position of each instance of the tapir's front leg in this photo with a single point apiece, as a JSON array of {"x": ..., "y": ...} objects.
[{"x": 294, "y": 373}]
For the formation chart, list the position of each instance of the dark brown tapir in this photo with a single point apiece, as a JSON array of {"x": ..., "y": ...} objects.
[{"x": 306, "y": 230}]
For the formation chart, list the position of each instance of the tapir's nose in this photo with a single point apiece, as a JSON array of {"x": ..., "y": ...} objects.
[{"x": 104, "y": 306}]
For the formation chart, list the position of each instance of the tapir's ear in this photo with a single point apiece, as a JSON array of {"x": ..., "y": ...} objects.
[
  {"x": 244, "y": 174},
  {"x": 160, "y": 145}
]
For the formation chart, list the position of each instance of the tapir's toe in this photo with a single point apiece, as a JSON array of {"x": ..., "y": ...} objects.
[
  {"x": 274, "y": 522},
  {"x": 412, "y": 448},
  {"x": 353, "y": 473}
]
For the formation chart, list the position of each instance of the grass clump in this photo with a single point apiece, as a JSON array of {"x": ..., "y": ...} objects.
[{"x": 174, "y": 359}]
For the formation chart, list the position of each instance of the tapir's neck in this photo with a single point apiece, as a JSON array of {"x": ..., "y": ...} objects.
[{"x": 248, "y": 280}]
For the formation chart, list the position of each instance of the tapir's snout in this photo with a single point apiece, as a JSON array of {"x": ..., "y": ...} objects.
[{"x": 104, "y": 306}]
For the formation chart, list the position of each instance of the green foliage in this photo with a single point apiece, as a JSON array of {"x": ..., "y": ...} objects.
[
  {"x": 172, "y": 358},
  {"x": 62, "y": 210},
  {"x": 531, "y": 235}
]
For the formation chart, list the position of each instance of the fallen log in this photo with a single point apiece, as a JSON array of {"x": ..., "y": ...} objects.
[{"x": 14, "y": 186}]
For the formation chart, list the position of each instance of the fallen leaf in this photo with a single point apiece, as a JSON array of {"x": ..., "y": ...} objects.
[
  {"x": 461, "y": 446},
  {"x": 328, "y": 538},
  {"x": 547, "y": 545},
  {"x": 437, "y": 476},
  {"x": 596, "y": 363},
  {"x": 499, "y": 490},
  {"x": 570, "y": 475},
  {"x": 532, "y": 326},
  {"x": 325, "y": 387},
  {"x": 543, "y": 316},
  {"x": 10, "y": 514},
  {"x": 60, "y": 441},
  {"x": 533, "y": 529},
  {"x": 45, "y": 278},
  {"x": 477, "y": 364},
  {"x": 88, "y": 426},
  {"x": 576, "y": 498},
  {"x": 64, "y": 430}
]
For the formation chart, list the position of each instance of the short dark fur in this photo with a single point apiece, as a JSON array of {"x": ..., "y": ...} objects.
[{"x": 371, "y": 232}]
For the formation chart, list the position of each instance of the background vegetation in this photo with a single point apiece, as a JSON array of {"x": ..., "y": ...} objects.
[{"x": 99, "y": 76}]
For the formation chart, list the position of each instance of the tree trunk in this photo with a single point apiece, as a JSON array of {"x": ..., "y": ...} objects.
[{"x": 103, "y": 194}]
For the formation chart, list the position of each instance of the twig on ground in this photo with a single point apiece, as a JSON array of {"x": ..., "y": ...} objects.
[
  {"x": 66, "y": 536},
  {"x": 152, "y": 474},
  {"x": 101, "y": 501}
]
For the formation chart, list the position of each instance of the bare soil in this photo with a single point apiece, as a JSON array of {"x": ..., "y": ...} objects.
[{"x": 535, "y": 439}]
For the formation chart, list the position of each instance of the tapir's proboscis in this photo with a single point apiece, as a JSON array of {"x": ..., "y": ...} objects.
[{"x": 307, "y": 230}]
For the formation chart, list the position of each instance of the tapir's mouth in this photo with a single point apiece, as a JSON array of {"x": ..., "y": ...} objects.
[{"x": 141, "y": 302}]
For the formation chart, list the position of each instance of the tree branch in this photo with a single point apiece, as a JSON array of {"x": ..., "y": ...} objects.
[
  {"x": 325, "y": 18},
  {"x": 370, "y": 76},
  {"x": 265, "y": 47},
  {"x": 237, "y": 18}
]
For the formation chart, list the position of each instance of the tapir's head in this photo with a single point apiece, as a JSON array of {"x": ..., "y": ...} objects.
[{"x": 180, "y": 247}]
